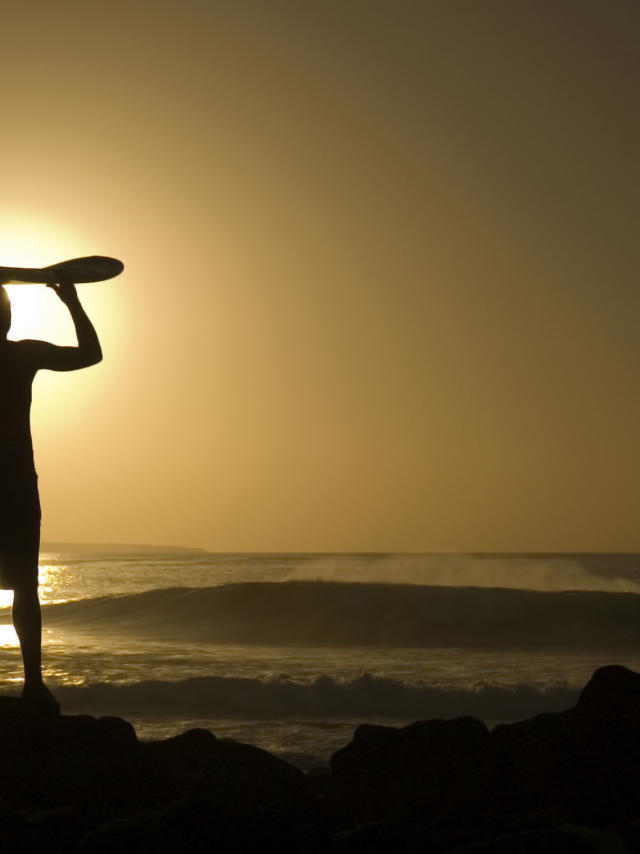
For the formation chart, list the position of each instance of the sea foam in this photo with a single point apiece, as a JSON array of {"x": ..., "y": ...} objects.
[{"x": 325, "y": 697}]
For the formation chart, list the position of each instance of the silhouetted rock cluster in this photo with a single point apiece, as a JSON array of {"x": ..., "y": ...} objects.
[{"x": 565, "y": 782}]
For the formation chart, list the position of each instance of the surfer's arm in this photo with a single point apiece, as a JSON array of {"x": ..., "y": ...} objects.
[
  {"x": 88, "y": 352},
  {"x": 51, "y": 357}
]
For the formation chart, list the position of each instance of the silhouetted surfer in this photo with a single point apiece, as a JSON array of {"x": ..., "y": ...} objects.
[{"x": 19, "y": 502}]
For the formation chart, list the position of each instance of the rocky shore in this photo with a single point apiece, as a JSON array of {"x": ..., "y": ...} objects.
[{"x": 562, "y": 782}]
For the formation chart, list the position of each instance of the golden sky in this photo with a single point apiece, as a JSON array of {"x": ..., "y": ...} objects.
[{"x": 380, "y": 269}]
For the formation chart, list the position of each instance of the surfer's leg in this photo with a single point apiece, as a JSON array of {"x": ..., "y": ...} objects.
[
  {"x": 27, "y": 621},
  {"x": 20, "y": 572}
]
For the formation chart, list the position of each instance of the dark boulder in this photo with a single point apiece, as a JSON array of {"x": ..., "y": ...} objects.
[
  {"x": 567, "y": 839},
  {"x": 197, "y": 826},
  {"x": 120, "y": 835},
  {"x": 241, "y": 777},
  {"x": 229, "y": 773},
  {"x": 613, "y": 692},
  {"x": 382, "y": 837},
  {"x": 184, "y": 757},
  {"x": 422, "y": 767},
  {"x": 582, "y": 764},
  {"x": 51, "y": 761},
  {"x": 585, "y": 760}
]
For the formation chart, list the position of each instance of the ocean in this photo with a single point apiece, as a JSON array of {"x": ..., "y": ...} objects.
[{"x": 291, "y": 652}]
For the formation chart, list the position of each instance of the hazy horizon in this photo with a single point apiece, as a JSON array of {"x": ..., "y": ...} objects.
[
  {"x": 47, "y": 545},
  {"x": 380, "y": 271}
]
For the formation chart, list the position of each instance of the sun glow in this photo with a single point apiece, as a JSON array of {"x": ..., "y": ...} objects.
[
  {"x": 36, "y": 313},
  {"x": 26, "y": 241}
]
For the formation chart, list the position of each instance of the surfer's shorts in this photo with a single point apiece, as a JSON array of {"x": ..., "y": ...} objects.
[{"x": 19, "y": 530}]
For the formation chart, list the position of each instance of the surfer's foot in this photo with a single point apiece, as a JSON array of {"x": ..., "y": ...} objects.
[{"x": 39, "y": 694}]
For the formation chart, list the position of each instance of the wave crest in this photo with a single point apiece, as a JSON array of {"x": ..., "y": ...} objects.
[{"x": 347, "y": 614}]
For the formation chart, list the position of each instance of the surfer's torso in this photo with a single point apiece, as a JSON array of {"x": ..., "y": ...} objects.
[
  {"x": 17, "y": 370},
  {"x": 19, "y": 500}
]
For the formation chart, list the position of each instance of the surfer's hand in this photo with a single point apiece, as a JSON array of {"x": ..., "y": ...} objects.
[{"x": 64, "y": 288}]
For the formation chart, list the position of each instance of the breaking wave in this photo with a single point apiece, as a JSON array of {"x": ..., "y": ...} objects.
[
  {"x": 344, "y": 614},
  {"x": 364, "y": 697}
]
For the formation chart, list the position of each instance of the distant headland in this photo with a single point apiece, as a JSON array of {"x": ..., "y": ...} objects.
[{"x": 117, "y": 548}]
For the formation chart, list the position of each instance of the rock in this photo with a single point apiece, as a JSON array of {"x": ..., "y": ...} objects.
[
  {"x": 381, "y": 837},
  {"x": 48, "y": 762},
  {"x": 184, "y": 756},
  {"x": 195, "y": 826},
  {"x": 14, "y": 831},
  {"x": 422, "y": 767},
  {"x": 56, "y": 830},
  {"x": 613, "y": 692},
  {"x": 585, "y": 760},
  {"x": 242, "y": 777},
  {"x": 568, "y": 839},
  {"x": 120, "y": 836},
  {"x": 582, "y": 764},
  {"x": 230, "y": 773}
]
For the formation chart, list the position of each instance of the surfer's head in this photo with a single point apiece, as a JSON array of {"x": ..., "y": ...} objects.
[{"x": 5, "y": 312}]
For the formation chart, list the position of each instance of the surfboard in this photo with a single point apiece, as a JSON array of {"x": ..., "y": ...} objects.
[{"x": 92, "y": 268}]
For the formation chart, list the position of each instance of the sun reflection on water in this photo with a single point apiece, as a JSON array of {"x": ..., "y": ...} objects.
[
  {"x": 61, "y": 676},
  {"x": 50, "y": 580},
  {"x": 8, "y": 636},
  {"x": 50, "y": 583}
]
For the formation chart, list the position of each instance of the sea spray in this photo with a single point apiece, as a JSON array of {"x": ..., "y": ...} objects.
[{"x": 523, "y": 572}]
